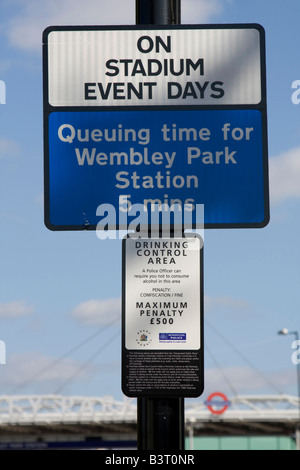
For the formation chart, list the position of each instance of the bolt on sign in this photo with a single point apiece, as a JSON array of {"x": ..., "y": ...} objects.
[
  {"x": 162, "y": 317},
  {"x": 159, "y": 115}
]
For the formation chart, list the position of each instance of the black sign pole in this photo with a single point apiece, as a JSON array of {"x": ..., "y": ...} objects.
[
  {"x": 158, "y": 12},
  {"x": 160, "y": 420}
]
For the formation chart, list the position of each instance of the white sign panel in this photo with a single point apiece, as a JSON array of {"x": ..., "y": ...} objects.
[
  {"x": 162, "y": 294},
  {"x": 178, "y": 66}
]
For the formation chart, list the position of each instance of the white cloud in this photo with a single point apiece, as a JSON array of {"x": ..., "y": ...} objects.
[
  {"x": 40, "y": 373},
  {"x": 15, "y": 309},
  {"x": 39, "y": 200},
  {"x": 200, "y": 11},
  {"x": 5, "y": 64},
  {"x": 246, "y": 380},
  {"x": 98, "y": 311},
  {"x": 239, "y": 379},
  {"x": 224, "y": 302},
  {"x": 285, "y": 176},
  {"x": 25, "y": 29},
  {"x": 8, "y": 148}
]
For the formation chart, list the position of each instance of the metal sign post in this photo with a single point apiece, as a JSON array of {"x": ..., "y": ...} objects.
[{"x": 160, "y": 420}]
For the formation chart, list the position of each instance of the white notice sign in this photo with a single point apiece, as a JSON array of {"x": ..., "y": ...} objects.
[
  {"x": 177, "y": 66},
  {"x": 162, "y": 294}
]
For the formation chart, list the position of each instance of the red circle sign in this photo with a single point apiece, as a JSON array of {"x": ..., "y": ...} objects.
[{"x": 217, "y": 407}]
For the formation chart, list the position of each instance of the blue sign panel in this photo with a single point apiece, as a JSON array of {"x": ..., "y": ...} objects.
[
  {"x": 172, "y": 337},
  {"x": 216, "y": 158}
]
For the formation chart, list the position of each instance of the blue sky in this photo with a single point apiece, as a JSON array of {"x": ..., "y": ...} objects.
[{"x": 60, "y": 291}]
